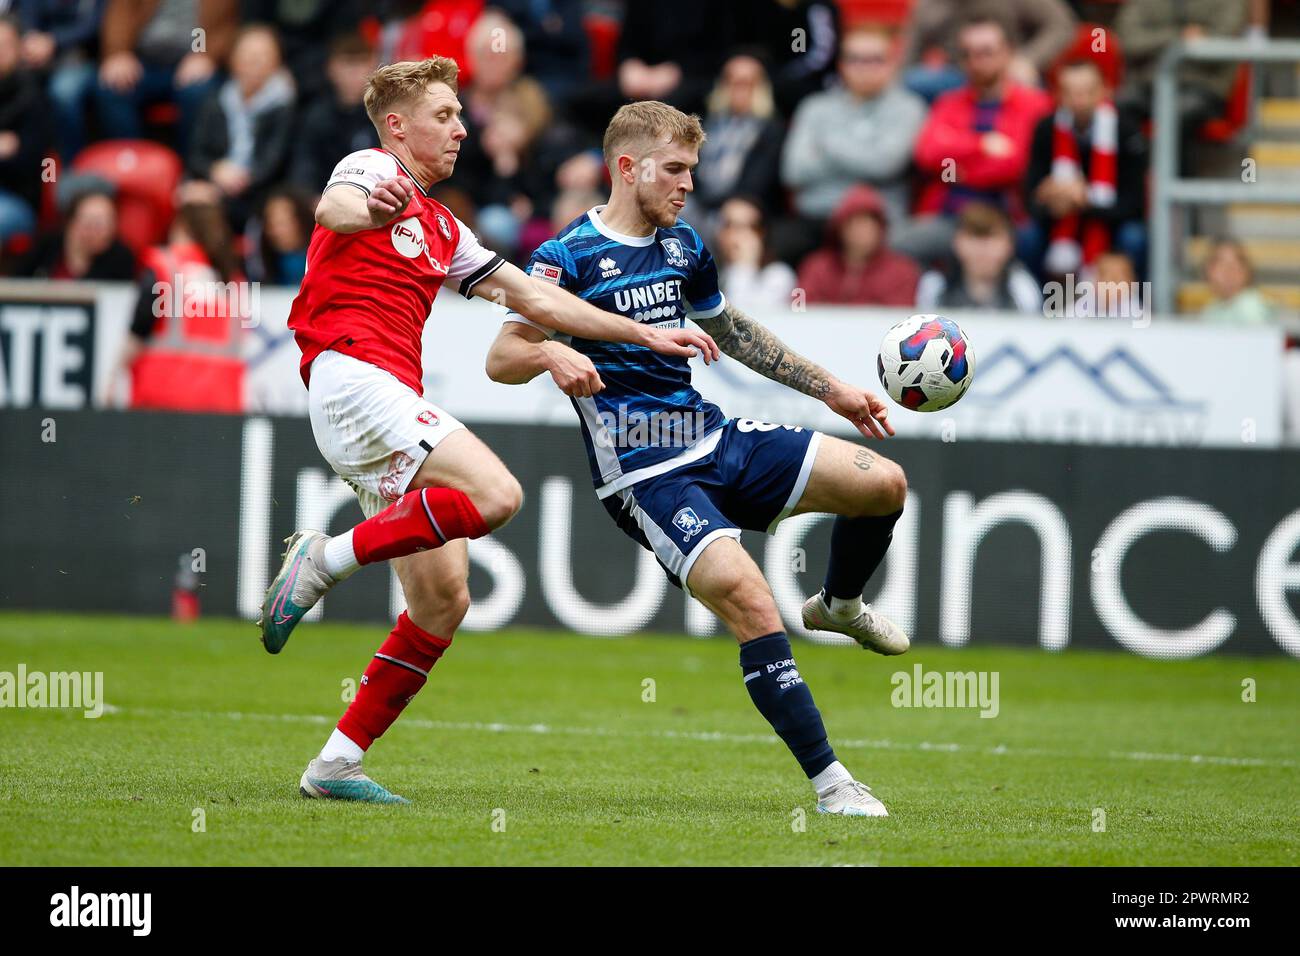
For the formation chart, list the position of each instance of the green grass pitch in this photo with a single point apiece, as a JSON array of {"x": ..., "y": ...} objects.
[{"x": 538, "y": 748}]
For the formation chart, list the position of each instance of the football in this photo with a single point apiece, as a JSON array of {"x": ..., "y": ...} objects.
[{"x": 926, "y": 363}]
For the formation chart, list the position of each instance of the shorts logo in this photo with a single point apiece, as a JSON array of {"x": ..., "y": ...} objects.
[
  {"x": 673, "y": 250},
  {"x": 408, "y": 237},
  {"x": 398, "y": 466},
  {"x": 688, "y": 521},
  {"x": 545, "y": 272},
  {"x": 444, "y": 227},
  {"x": 427, "y": 417}
]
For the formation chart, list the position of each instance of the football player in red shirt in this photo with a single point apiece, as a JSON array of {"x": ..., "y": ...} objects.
[{"x": 381, "y": 250}]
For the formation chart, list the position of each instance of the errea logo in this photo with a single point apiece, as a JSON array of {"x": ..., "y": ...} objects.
[{"x": 609, "y": 268}]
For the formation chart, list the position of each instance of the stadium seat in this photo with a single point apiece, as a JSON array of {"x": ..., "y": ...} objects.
[
  {"x": 885, "y": 12},
  {"x": 602, "y": 35},
  {"x": 47, "y": 217},
  {"x": 146, "y": 176}
]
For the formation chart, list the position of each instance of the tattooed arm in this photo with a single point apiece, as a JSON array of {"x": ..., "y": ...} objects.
[{"x": 752, "y": 344}]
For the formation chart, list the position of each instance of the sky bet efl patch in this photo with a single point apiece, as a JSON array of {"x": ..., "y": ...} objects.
[{"x": 546, "y": 272}]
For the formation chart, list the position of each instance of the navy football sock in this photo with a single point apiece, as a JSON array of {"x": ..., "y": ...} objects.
[
  {"x": 784, "y": 699},
  {"x": 858, "y": 545}
]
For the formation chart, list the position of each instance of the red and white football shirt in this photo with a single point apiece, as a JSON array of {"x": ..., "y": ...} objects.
[{"x": 367, "y": 294}]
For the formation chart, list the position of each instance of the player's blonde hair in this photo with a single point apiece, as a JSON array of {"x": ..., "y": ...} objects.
[
  {"x": 638, "y": 127},
  {"x": 401, "y": 84}
]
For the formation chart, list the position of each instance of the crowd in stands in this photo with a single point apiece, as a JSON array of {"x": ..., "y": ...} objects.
[{"x": 934, "y": 153}]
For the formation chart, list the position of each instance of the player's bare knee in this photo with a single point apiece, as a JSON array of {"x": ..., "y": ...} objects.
[
  {"x": 888, "y": 491},
  {"x": 895, "y": 494},
  {"x": 500, "y": 500},
  {"x": 741, "y": 596}
]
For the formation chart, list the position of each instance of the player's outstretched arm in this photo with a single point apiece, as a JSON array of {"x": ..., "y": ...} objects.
[
  {"x": 347, "y": 207},
  {"x": 753, "y": 344},
  {"x": 521, "y": 353},
  {"x": 550, "y": 306}
]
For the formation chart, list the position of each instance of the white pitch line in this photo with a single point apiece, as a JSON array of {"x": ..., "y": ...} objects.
[{"x": 711, "y": 736}]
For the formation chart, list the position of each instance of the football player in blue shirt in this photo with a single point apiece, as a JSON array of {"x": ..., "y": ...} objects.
[{"x": 679, "y": 476}]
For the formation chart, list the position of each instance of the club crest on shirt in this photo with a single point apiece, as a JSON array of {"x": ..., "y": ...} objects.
[
  {"x": 444, "y": 226},
  {"x": 688, "y": 521},
  {"x": 676, "y": 256}
]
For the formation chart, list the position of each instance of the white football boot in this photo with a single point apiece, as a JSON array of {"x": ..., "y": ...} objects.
[
  {"x": 870, "y": 628},
  {"x": 851, "y": 799}
]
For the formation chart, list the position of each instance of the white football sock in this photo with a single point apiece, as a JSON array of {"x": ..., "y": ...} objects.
[
  {"x": 844, "y": 609},
  {"x": 832, "y": 776},
  {"x": 340, "y": 745},
  {"x": 340, "y": 559}
]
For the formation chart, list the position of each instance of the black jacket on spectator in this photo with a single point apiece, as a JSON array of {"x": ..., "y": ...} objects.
[
  {"x": 694, "y": 34},
  {"x": 23, "y": 112},
  {"x": 114, "y": 264},
  {"x": 74, "y": 24},
  {"x": 327, "y": 133},
  {"x": 555, "y": 43},
  {"x": 1131, "y": 171},
  {"x": 770, "y": 26},
  {"x": 740, "y": 157},
  {"x": 306, "y": 28},
  {"x": 535, "y": 177},
  {"x": 272, "y": 139}
]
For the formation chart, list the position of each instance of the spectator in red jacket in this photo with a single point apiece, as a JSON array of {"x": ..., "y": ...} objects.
[
  {"x": 855, "y": 267},
  {"x": 975, "y": 143}
]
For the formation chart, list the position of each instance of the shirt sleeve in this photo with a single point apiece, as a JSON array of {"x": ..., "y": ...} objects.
[
  {"x": 471, "y": 263},
  {"x": 550, "y": 263},
  {"x": 704, "y": 299},
  {"x": 363, "y": 169}
]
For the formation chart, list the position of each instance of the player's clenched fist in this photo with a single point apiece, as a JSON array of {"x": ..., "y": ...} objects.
[
  {"x": 388, "y": 199},
  {"x": 572, "y": 371}
]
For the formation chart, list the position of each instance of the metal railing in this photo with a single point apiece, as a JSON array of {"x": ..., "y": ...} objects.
[{"x": 1170, "y": 190}]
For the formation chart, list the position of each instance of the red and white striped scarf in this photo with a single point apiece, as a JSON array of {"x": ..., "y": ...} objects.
[{"x": 1077, "y": 240}]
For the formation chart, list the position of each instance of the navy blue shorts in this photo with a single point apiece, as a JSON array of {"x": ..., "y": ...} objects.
[{"x": 751, "y": 480}]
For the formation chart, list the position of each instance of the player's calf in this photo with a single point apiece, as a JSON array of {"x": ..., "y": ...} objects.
[
  {"x": 396, "y": 674},
  {"x": 728, "y": 582}
]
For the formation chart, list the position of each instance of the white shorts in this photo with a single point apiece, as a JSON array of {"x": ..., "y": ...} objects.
[{"x": 372, "y": 429}]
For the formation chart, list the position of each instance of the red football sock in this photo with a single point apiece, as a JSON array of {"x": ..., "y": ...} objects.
[
  {"x": 419, "y": 520},
  {"x": 394, "y": 677}
]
